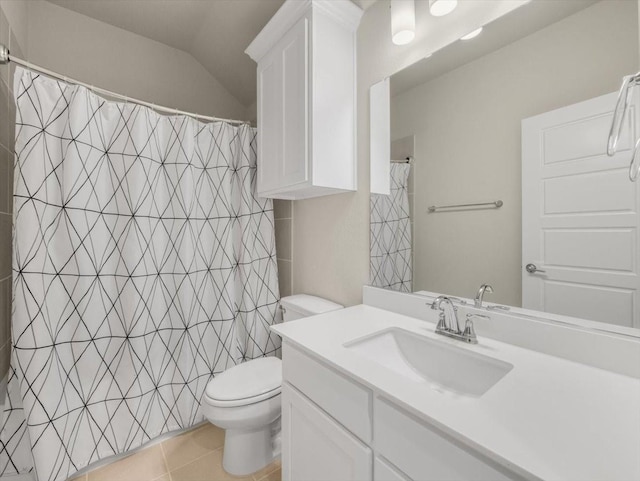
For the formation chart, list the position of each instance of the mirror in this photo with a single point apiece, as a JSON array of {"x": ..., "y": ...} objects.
[{"x": 511, "y": 127}]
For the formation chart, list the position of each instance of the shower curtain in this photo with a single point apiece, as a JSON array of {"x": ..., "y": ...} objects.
[
  {"x": 143, "y": 265},
  {"x": 390, "y": 256}
]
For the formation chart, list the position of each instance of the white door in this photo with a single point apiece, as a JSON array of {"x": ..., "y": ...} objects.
[
  {"x": 580, "y": 215},
  {"x": 315, "y": 447}
]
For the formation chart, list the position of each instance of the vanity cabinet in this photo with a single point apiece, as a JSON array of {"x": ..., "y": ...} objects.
[
  {"x": 335, "y": 428},
  {"x": 317, "y": 447},
  {"x": 423, "y": 453},
  {"x": 306, "y": 100}
]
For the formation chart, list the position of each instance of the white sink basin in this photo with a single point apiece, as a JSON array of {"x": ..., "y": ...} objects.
[{"x": 434, "y": 362}]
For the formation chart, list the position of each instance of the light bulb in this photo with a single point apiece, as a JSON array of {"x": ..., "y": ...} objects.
[
  {"x": 403, "y": 37},
  {"x": 403, "y": 21},
  {"x": 439, "y": 8},
  {"x": 471, "y": 35}
]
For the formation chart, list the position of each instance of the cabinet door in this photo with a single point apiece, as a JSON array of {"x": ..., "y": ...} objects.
[
  {"x": 269, "y": 121},
  {"x": 283, "y": 79},
  {"x": 383, "y": 471},
  {"x": 295, "y": 105},
  {"x": 315, "y": 447}
]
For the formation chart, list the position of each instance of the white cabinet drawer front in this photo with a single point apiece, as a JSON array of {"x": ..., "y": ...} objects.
[
  {"x": 424, "y": 454},
  {"x": 383, "y": 471},
  {"x": 343, "y": 399},
  {"x": 315, "y": 447}
]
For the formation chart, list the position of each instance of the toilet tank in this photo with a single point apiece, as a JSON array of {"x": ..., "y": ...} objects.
[{"x": 304, "y": 305}]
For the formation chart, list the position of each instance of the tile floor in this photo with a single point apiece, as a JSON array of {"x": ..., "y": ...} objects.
[{"x": 193, "y": 456}]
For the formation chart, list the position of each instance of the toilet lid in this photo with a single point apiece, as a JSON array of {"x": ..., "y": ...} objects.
[{"x": 247, "y": 380}]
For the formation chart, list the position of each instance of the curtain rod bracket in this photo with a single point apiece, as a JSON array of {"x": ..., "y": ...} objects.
[{"x": 4, "y": 54}]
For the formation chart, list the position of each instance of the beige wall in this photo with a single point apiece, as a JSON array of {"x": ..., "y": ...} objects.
[
  {"x": 109, "y": 57},
  {"x": 16, "y": 15},
  {"x": 13, "y": 34},
  {"x": 331, "y": 234},
  {"x": 463, "y": 157}
]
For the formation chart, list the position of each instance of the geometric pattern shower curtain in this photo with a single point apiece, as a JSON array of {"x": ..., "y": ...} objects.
[
  {"x": 143, "y": 264},
  {"x": 390, "y": 221}
]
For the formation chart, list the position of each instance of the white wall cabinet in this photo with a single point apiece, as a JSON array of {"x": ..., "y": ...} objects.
[
  {"x": 306, "y": 99},
  {"x": 335, "y": 429}
]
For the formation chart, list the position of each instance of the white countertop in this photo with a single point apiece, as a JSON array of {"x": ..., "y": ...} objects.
[{"x": 548, "y": 418}]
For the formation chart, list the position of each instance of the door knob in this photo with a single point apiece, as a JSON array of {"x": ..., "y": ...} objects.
[{"x": 532, "y": 269}]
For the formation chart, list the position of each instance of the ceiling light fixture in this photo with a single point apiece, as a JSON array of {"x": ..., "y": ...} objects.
[
  {"x": 403, "y": 21},
  {"x": 471, "y": 35},
  {"x": 439, "y": 8}
]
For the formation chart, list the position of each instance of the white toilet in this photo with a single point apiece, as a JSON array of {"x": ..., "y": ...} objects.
[{"x": 245, "y": 399}]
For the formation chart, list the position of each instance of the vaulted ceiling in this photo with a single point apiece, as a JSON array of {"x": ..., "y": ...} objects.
[{"x": 215, "y": 32}]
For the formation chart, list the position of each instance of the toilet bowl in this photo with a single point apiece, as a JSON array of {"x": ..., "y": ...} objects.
[{"x": 245, "y": 399}]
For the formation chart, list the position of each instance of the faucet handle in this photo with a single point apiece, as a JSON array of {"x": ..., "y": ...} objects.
[
  {"x": 469, "y": 333},
  {"x": 496, "y": 307},
  {"x": 481, "y": 316}
]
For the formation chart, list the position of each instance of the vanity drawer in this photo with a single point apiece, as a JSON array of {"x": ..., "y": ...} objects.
[
  {"x": 424, "y": 454},
  {"x": 346, "y": 401}
]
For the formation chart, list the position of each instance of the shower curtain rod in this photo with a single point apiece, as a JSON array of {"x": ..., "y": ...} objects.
[
  {"x": 6, "y": 57},
  {"x": 407, "y": 160}
]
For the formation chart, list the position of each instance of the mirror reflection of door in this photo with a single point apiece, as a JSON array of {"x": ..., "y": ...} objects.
[{"x": 580, "y": 218}]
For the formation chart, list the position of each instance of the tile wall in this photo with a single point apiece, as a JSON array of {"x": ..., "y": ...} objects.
[
  {"x": 283, "y": 213},
  {"x": 7, "y": 129}
]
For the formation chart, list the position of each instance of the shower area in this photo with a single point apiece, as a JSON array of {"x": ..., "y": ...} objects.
[
  {"x": 137, "y": 260},
  {"x": 391, "y": 222},
  {"x": 391, "y": 260}
]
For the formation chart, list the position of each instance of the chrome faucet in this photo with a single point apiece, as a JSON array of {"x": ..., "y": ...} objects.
[
  {"x": 445, "y": 324},
  {"x": 478, "y": 300},
  {"x": 450, "y": 326}
]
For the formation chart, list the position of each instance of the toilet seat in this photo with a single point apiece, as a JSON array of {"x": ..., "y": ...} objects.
[
  {"x": 247, "y": 383},
  {"x": 242, "y": 402}
]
